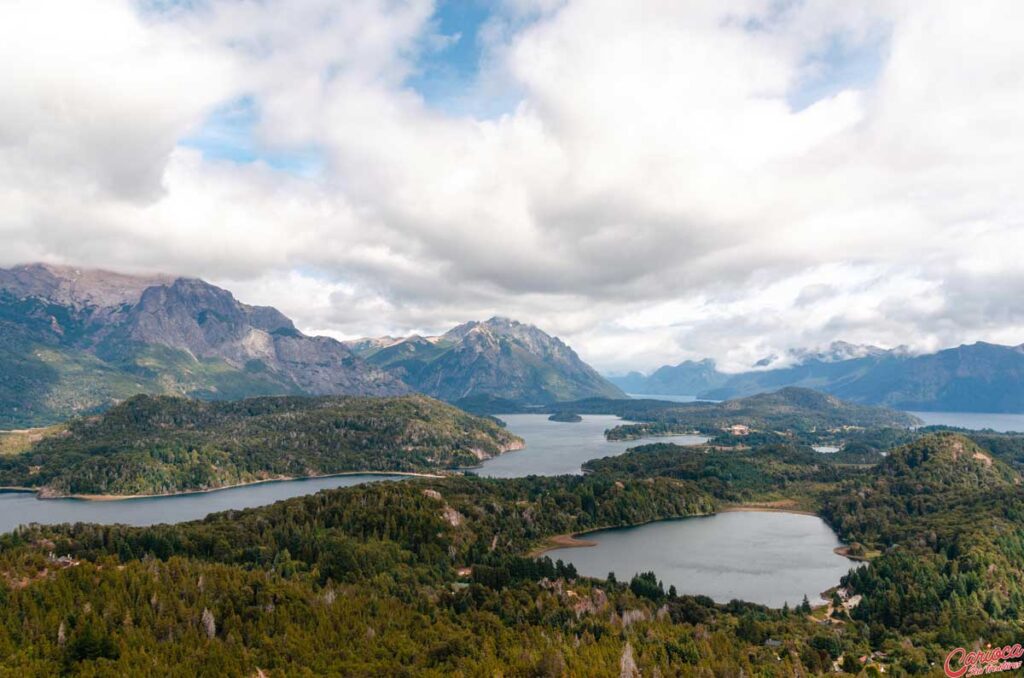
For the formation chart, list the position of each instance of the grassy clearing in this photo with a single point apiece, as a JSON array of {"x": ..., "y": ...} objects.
[{"x": 18, "y": 441}]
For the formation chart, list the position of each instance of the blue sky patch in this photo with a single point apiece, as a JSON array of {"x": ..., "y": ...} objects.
[
  {"x": 446, "y": 70},
  {"x": 842, "y": 64},
  {"x": 229, "y": 134}
]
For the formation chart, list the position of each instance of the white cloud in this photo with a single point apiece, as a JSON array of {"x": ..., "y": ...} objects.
[
  {"x": 95, "y": 99},
  {"x": 653, "y": 196}
]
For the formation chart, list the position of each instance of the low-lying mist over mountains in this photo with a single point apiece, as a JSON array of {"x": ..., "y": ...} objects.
[{"x": 980, "y": 377}]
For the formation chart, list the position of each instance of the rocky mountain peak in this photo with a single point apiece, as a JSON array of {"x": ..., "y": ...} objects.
[
  {"x": 77, "y": 288},
  {"x": 838, "y": 351},
  {"x": 119, "y": 335},
  {"x": 498, "y": 357}
]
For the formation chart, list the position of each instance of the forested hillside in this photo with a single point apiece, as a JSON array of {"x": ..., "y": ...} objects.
[
  {"x": 496, "y": 358},
  {"x": 796, "y": 411},
  {"x": 76, "y": 341},
  {"x": 153, "y": 445},
  {"x": 949, "y": 521},
  {"x": 430, "y": 577}
]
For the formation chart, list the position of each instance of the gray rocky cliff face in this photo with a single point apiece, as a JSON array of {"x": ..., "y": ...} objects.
[
  {"x": 108, "y": 336},
  {"x": 498, "y": 357}
]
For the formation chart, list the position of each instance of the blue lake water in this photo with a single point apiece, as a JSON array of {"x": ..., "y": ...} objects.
[
  {"x": 761, "y": 557},
  {"x": 558, "y": 448},
  {"x": 19, "y": 508},
  {"x": 974, "y": 420},
  {"x": 552, "y": 448},
  {"x": 768, "y": 558},
  {"x": 669, "y": 398}
]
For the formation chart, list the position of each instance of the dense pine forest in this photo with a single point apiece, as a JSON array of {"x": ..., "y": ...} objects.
[
  {"x": 162, "y": 444},
  {"x": 802, "y": 414},
  {"x": 435, "y": 577}
]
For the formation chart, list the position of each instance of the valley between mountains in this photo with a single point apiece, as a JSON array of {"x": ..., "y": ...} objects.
[{"x": 122, "y": 386}]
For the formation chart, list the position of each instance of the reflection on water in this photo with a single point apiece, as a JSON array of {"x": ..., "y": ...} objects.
[{"x": 761, "y": 557}]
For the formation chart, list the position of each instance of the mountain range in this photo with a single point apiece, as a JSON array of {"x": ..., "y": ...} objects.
[
  {"x": 980, "y": 377},
  {"x": 498, "y": 358},
  {"x": 76, "y": 341}
]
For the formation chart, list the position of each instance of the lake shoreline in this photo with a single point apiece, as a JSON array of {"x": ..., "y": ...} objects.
[
  {"x": 575, "y": 539},
  {"x": 126, "y": 497},
  {"x": 17, "y": 488},
  {"x": 561, "y": 541},
  {"x": 766, "y": 508},
  {"x": 844, "y": 551},
  {"x": 771, "y": 559}
]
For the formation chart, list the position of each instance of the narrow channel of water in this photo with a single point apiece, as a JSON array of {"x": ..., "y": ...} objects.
[
  {"x": 20, "y": 508},
  {"x": 558, "y": 448},
  {"x": 552, "y": 448}
]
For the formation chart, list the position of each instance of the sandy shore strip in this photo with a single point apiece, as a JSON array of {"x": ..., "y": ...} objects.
[
  {"x": 125, "y": 497},
  {"x": 560, "y": 541},
  {"x": 844, "y": 551},
  {"x": 768, "y": 507}
]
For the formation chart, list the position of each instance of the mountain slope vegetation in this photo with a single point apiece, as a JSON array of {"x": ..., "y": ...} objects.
[
  {"x": 154, "y": 445},
  {"x": 980, "y": 377},
  {"x": 498, "y": 358},
  {"x": 795, "y": 411},
  {"x": 76, "y": 341},
  {"x": 431, "y": 577}
]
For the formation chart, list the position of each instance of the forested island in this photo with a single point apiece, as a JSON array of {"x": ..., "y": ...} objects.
[
  {"x": 432, "y": 576},
  {"x": 797, "y": 413},
  {"x": 151, "y": 445}
]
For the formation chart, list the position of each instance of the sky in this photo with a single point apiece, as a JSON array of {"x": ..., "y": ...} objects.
[{"x": 652, "y": 181}]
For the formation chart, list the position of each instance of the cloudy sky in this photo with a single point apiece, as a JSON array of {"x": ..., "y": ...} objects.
[{"x": 652, "y": 180}]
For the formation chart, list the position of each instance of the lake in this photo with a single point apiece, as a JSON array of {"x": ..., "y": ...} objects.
[
  {"x": 768, "y": 558},
  {"x": 556, "y": 448},
  {"x": 552, "y": 448},
  {"x": 974, "y": 420},
  {"x": 762, "y": 557},
  {"x": 669, "y": 398},
  {"x": 19, "y": 508}
]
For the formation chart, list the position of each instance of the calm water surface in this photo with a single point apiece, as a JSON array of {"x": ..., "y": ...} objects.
[
  {"x": 552, "y": 448},
  {"x": 767, "y": 558},
  {"x": 974, "y": 420},
  {"x": 557, "y": 448},
  {"x": 19, "y": 508},
  {"x": 669, "y": 398}
]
